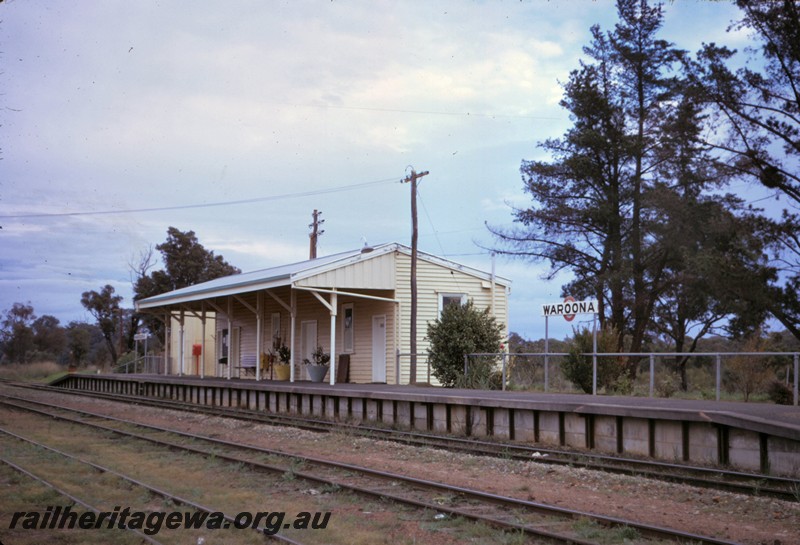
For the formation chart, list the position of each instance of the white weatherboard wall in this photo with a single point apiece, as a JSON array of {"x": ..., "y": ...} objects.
[
  {"x": 192, "y": 334},
  {"x": 368, "y": 273},
  {"x": 372, "y": 284},
  {"x": 310, "y": 309},
  {"x": 432, "y": 280},
  {"x": 371, "y": 276}
]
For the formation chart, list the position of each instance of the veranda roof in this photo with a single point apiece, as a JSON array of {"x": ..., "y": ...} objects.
[{"x": 286, "y": 275}]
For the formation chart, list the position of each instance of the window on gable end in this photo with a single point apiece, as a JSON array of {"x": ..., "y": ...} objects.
[{"x": 446, "y": 299}]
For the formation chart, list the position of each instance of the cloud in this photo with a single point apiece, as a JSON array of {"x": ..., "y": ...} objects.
[
  {"x": 261, "y": 254},
  {"x": 119, "y": 106},
  {"x": 506, "y": 202}
]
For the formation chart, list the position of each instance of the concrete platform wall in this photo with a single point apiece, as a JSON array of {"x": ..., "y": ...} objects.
[{"x": 666, "y": 436}]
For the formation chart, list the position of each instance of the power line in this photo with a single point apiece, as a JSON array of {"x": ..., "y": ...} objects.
[
  {"x": 467, "y": 254},
  {"x": 204, "y": 205},
  {"x": 774, "y": 195},
  {"x": 426, "y": 112},
  {"x": 438, "y": 240},
  {"x": 430, "y": 221}
]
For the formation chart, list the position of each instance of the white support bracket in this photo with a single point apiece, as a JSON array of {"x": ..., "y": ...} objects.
[
  {"x": 246, "y": 305},
  {"x": 280, "y": 301}
]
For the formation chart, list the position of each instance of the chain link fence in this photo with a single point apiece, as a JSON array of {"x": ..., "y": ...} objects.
[{"x": 699, "y": 375}]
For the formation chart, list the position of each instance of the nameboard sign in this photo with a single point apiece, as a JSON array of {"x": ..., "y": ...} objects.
[{"x": 569, "y": 307}]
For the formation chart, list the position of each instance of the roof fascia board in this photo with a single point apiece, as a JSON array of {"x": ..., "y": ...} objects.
[
  {"x": 158, "y": 301},
  {"x": 455, "y": 266}
]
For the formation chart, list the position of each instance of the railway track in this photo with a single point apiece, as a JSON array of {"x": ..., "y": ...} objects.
[
  {"x": 226, "y": 520},
  {"x": 71, "y": 497},
  {"x": 713, "y": 478},
  {"x": 536, "y": 520}
]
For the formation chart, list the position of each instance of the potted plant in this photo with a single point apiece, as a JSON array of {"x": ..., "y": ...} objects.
[
  {"x": 318, "y": 368},
  {"x": 282, "y": 368}
]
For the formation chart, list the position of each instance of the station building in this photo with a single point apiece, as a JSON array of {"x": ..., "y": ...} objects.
[{"x": 354, "y": 306}]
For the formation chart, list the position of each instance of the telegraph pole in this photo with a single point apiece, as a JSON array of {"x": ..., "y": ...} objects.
[
  {"x": 412, "y": 179},
  {"x": 316, "y": 232}
]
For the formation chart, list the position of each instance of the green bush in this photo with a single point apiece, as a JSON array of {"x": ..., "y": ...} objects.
[
  {"x": 460, "y": 330},
  {"x": 577, "y": 366},
  {"x": 483, "y": 373},
  {"x": 779, "y": 393},
  {"x": 667, "y": 384}
]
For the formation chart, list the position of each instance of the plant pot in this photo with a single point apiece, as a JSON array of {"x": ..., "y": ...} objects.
[
  {"x": 283, "y": 371},
  {"x": 317, "y": 372}
]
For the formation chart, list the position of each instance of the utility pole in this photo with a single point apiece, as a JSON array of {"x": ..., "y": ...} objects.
[
  {"x": 412, "y": 179},
  {"x": 316, "y": 232}
]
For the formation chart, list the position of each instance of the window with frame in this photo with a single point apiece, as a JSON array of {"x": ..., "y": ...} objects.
[
  {"x": 348, "y": 329},
  {"x": 446, "y": 299},
  {"x": 222, "y": 345},
  {"x": 275, "y": 329}
]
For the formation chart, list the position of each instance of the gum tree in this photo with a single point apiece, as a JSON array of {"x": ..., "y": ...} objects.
[
  {"x": 104, "y": 306},
  {"x": 757, "y": 132},
  {"x": 594, "y": 201},
  {"x": 186, "y": 262}
]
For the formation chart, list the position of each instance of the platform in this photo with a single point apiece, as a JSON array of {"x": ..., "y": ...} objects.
[{"x": 750, "y": 436}]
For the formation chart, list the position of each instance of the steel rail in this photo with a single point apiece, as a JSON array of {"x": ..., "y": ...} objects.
[
  {"x": 71, "y": 497},
  {"x": 314, "y": 478},
  {"x": 782, "y": 488},
  {"x": 709, "y": 478},
  {"x": 646, "y": 530},
  {"x": 155, "y": 490}
]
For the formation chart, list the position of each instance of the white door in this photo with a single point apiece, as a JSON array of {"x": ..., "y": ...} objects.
[
  {"x": 308, "y": 343},
  {"x": 379, "y": 349}
]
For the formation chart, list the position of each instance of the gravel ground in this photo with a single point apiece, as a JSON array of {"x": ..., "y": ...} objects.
[{"x": 743, "y": 519}]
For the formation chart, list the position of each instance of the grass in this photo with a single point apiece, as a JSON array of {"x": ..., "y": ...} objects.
[
  {"x": 31, "y": 496},
  {"x": 32, "y": 372},
  {"x": 41, "y": 372},
  {"x": 222, "y": 484},
  {"x": 589, "y": 529},
  {"x": 469, "y": 531}
]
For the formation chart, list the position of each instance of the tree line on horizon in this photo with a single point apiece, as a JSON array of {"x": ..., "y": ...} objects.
[{"x": 25, "y": 338}]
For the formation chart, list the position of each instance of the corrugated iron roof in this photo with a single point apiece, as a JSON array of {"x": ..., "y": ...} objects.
[{"x": 284, "y": 275}]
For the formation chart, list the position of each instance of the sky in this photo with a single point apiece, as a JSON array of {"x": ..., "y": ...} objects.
[{"x": 237, "y": 119}]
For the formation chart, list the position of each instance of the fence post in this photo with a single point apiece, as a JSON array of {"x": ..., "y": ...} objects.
[
  {"x": 465, "y": 364},
  {"x": 594, "y": 356},
  {"x": 505, "y": 354},
  {"x": 428, "y": 365},
  {"x": 546, "y": 350},
  {"x": 652, "y": 373},
  {"x": 796, "y": 372},
  {"x": 546, "y": 378},
  {"x": 719, "y": 375}
]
